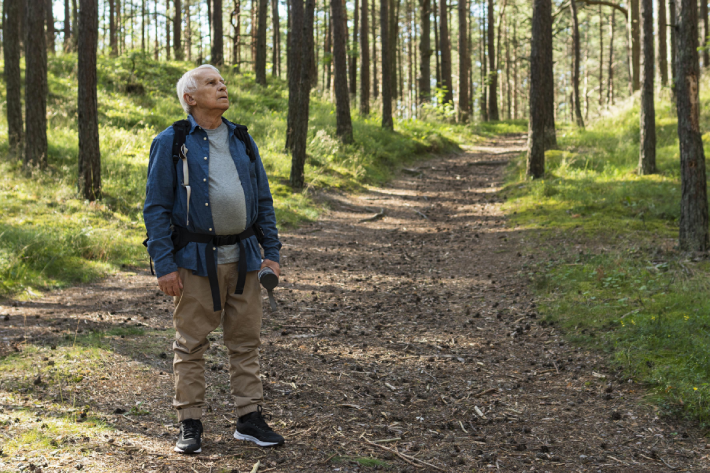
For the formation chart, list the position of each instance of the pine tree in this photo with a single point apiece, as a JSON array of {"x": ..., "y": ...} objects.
[
  {"x": 540, "y": 74},
  {"x": 13, "y": 81},
  {"x": 344, "y": 127},
  {"x": 89, "y": 152},
  {"x": 36, "y": 82},
  {"x": 647, "y": 152}
]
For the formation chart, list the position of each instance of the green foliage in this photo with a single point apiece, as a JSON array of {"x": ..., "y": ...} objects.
[
  {"x": 629, "y": 292},
  {"x": 50, "y": 238}
]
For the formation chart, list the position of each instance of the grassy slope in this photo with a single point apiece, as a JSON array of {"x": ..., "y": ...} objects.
[
  {"x": 616, "y": 280},
  {"x": 49, "y": 237}
]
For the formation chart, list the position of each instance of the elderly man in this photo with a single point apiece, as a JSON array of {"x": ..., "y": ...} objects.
[{"x": 208, "y": 207}]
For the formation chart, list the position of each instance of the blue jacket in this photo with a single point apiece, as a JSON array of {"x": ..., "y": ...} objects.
[{"x": 165, "y": 201}]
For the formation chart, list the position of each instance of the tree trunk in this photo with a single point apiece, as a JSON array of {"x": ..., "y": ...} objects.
[
  {"x": 300, "y": 58},
  {"x": 484, "y": 65},
  {"x": 13, "y": 80},
  {"x": 297, "y": 19},
  {"x": 143, "y": 24},
  {"x": 445, "y": 44},
  {"x": 74, "y": 27},
  {"x": 177, "y": 30},
  {"x": 576, "y": 64},
  {"x": 261, "y": 42},
  {"x": 344, "y": 127},
  {"x": 236, "y": 22},
  {"x": 386, "y": 67},
  {"x": 36, "y": 83},
  {"x": 167, "y": 29},
  {"x": 634, "y": 40},
  {"x": 548, "y": 84},
  {"x": 601, "y": 58},
  {"x": 328, "y": 53},
  {"x": 276, "y": 50},
  {"x": 437, "y": 46},
  {"x": 352, "y": 60},
  {"x": 217, "y": 54},
  {"x": 156, "y": 48},
  {"x": 310, "y": 44},
  {"x": 50, "y": 27},
  {"x": 113, "y": 38},
  {"x": 188, "y": 31},
  {"x": 540, "y": 72},
  {"x": 672, "y": 9},
  {"x": 393, "y": 40},
  {"x": 425, "y": 52},
  {"x": 610, "y": 75},
  {"x": 662, "y": 43},
  {"x": 375, "y": 81},
  {"x": 89, "y": 152},
  {"x": 694, "y": 202},
  {"x": 647, "y": 154},
  {"x": 493, "y": 75},
  {"x": 365, "y": 60},
  {"x": 704, "y": 37},
  {"x": 464, "y": 111},
  {"x": 67, "y": 26}
]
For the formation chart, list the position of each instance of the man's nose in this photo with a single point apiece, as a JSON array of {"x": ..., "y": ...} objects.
[{"x": 222, "y": 86}]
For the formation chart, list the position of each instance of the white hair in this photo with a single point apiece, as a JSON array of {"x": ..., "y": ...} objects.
[{"x": 187, "y": 84}]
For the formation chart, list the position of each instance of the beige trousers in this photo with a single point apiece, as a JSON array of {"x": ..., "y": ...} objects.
[{"x": 194, "y": 319}]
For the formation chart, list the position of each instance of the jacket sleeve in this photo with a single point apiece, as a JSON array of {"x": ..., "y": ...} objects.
[
  {"x": 266, "y": 217},
  {"x": 158, "y": 208}
]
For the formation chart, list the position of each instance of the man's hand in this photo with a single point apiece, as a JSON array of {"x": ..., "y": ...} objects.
[
  {"x": 171, "y": 284},
  {"x": 273, "y": 265}
]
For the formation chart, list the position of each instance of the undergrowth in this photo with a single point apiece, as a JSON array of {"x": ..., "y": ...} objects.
[
  {"x": 612, "y": 275},
  {"x": 49, "y": 237}
]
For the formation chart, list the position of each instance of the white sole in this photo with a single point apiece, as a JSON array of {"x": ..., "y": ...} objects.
[
  {"x": 199, "y": 450},
  {"x": 239, "y": 436}
]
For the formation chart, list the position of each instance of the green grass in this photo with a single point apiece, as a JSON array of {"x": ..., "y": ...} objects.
[
  {"x": 49, "y": 237},
  {"x": 614, "y": 279},
  {"x": 363, "y": 461}
]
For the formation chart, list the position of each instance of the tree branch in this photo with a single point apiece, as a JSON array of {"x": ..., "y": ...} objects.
[{"x": 606, "y": 4}]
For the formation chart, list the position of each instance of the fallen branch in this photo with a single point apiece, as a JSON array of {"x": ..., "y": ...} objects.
[
  {"x": 377, "y": 216},
  {"x": 422, "y": 214},
  {"x": 387, "y": 440},
  {"x": 487, "y": 391},
  {"x": 669, "y": 466},
  {"x": 488, "y": 163},
  {"x": 256, "y": 466},
  {"x": 404, "y": 457}
]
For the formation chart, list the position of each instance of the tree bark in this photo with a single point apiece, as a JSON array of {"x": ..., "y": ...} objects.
[
  {"x": 36, "y": 82},
  {"x": 693, "y": 233},
  {"x": 672, "y": 10},
  {"x": 425, "y": 52},
  {"x": 177, "y": 30},
  {"x": 634, "y": 39},
  {"x": 576, "y": 65},
  {"x": 217, "y": 54},
  {"x": 75, "y": 20},
  {"x": 437, "y": 46},
  {"x": 484, "y": 64},
  {"x": 167, "y": 29},
  {"x": 67, "y": 26},
  {"x": 236, "y": 21},
  {"x": 297, "y": 19},
  {"x": 89, "y": 152},
  {"x": 386, "y": 67},
  {"x": 662, "y": 43},
  {"x": 50, "y": 27},
  {"x": 344, "y": 127},
  {"x": 464, "y": 111},
  {"x": 601, "y": 58},
  {"x": 610, "y": 74},
  {"x": 260, "y": 67},
  {"x": 13, "y": 80},
  {"x": 550, "y": 136},
  {"x": 647, "y": 153},
  {"x": 445, "y": 44},
  {"x": 113, "y": 38},
  {"x": 352, "y": 59},
  {"x": 300, "y": 57},
  {"x": 704, "y": 37},
  {"x": 375, "y": 81},
  {"x": 276, "y": 50},
  {"x": 540, "y": 42},
  {"x": 143, "y": 23},
  {"x": 365, "y": 60},
  {"x": 493, "y": 113}
]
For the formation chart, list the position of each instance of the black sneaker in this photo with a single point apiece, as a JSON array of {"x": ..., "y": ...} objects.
[
  {"x": 253, "y": 427},
  {"x": 190, "y": 439}
]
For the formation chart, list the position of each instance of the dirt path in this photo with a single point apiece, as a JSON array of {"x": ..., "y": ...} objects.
[{"x": 412, "y": 331}]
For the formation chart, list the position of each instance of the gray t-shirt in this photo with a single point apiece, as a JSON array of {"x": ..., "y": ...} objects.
[{"x": 229, "y": 211}]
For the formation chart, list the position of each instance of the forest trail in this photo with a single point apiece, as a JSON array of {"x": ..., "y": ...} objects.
[{"x": 404, "y": 323}]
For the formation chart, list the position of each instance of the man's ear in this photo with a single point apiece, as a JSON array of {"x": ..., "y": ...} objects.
[{"x": 189, "y": 99}]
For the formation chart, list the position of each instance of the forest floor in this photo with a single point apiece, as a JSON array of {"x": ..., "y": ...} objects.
[{"x": 406, "y": 339}]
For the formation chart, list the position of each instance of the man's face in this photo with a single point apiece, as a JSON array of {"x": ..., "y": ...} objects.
[{"x": 211, "y": 93}]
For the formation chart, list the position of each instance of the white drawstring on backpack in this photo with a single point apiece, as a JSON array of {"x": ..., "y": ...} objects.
[{"x": 186, "y": 180}]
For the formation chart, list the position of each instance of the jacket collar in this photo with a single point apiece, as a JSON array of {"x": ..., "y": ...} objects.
[{"x": 193, "y": 124}]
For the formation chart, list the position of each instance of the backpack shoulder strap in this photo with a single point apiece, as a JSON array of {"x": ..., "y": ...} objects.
[
  {"x": 181, "y": 128},
  {"x": 242, "y": 133}
]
